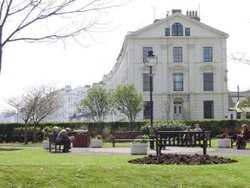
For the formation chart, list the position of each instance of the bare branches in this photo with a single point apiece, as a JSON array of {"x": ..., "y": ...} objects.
[
  {"x": 28, "y": 20},
  {"x": 240, "y": 58},
  {"x": 23, "y": 107},
  {"x": 4, "y": 10},
  {"x": 36, "y": 104},
  {"x": 69, "y": 15}
]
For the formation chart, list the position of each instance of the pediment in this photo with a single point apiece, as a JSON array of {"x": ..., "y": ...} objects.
[{"x": 197, "y": 28}]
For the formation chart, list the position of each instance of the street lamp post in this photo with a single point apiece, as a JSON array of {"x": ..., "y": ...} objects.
[{"x": 151, "y": 61}]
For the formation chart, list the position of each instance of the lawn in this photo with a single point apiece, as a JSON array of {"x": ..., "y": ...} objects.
[
  {"x": 38, "y": 168},
  {"x": 106, "y": 144}
]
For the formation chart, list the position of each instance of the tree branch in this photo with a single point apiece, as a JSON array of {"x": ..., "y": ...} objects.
[
  {"x": 40, "y": 11},
  {"x": 240, "y": 59}
]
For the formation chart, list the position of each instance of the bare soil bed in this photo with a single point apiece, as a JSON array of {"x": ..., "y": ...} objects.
[
  {"x": 182, "y": 159},
  {"x": 8, "y": 149}
]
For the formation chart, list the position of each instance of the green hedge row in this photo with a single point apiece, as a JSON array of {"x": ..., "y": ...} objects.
[{"x": 10, "y": 132}]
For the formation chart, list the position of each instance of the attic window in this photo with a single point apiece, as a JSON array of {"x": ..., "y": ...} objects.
[
  {"x": 167, "y": 31},
  {"x": 177, "y": 29},
  {"x": 187, "y": 31},
  {"x": 145, "y": 52}
]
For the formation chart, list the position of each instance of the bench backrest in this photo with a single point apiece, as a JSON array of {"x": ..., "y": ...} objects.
[
  {"x": 52, "y": 138},
  {"x": 127, "y": 134},
  {"x": 181, "y": 138}
]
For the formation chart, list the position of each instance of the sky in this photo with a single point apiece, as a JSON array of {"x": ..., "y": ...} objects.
[{"x": 28, "y": 65}]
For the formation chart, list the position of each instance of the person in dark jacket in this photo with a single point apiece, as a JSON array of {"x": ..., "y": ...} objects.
[
  {"x": 244, "y": 135},
  {"x": 64, "y": 139},
  {"x": 55, "y": 131}
]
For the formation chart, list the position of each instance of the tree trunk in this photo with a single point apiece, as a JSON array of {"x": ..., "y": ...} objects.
[
  {"x": 34, "y": 134},
  {"x": 25, "y": 133},
  {"x": 1, "y": 49}
]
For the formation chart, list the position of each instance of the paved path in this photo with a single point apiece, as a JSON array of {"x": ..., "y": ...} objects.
[
  {"x": 183, "y": 150},
  {"x": 126, "y": 151}
]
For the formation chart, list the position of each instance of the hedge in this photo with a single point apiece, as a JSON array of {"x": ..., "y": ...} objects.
[{"x": 10, "y": 132}]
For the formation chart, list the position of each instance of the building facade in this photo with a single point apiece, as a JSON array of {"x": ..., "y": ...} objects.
[
  {"x": 235, "y": 97},
  {"x": 70, "y": 99},
  {"x": 10, "y": 117},
  {"x": 190, "y": 78}
]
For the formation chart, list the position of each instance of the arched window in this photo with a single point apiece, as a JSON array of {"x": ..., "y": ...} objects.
[{"x": 177, "y": 29}]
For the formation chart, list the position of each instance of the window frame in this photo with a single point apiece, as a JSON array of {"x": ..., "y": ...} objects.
[
  {"x": 208, "y": 109},
  {"x": 145, "y": 51},
  {"x": 187, "y": 31},
  {"x": 208, "y": 81},
  {"x": 147, "y": 109},
  {"x": 178, "y": 85},
  {"x": 177, "y": 29},
  {"x": 177, "y": 54},
  {"x": 207, "y": 54},
  {"x": 167, "y": 31}
]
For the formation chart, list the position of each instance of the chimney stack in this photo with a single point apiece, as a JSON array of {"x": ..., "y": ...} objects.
[
  {"x": 193, "y": 14},
  {"x": 176, "y": 10}
]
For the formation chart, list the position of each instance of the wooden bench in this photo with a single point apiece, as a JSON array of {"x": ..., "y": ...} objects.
[
  {"x": 244, "y": 141},
  {"x": 181, "y": 138},
  {"x": 209, "y": 139},
  {"x": 127, "y": 136},
  {"x": 52, "y": 141}
]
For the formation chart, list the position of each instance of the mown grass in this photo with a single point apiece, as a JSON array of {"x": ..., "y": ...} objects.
[
  {"x": 38, "y": 168},
  {"x": 105, "y": 144},
  {"x": 20, "y": 144}
]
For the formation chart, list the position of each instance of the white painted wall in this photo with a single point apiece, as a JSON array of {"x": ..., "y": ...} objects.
[{"x": 130, "y": 68}]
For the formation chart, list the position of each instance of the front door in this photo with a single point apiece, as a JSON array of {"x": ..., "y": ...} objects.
[{"x": 178, "y": 111}]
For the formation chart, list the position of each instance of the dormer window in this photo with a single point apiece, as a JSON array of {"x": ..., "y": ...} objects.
[
  {"x": 167, "y": 31},
  {"x": 187, "y": 31},
  {"x": 177, "y": 29}
]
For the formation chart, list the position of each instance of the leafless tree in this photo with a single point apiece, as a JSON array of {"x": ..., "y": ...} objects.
[
  {"x": 240, "y": 58},
  {"x": 52, "y": 19},
  {"x": 23, "y": 107},
  {"x": 35, "y": 105},
  {"x": 45, "y": 100}
]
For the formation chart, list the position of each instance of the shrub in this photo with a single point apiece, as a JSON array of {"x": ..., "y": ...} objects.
[{"x": 165, "y": 126}]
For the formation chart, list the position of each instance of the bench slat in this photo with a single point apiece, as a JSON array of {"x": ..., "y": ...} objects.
[
  {"x": 126, "y": 136},
  {"x": 181, "y": 138},
  {"x": 52, "y": 141}
]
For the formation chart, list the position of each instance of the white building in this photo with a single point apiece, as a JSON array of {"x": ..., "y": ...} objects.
[
  {"x": 234, "y": 111},
  {"x": 70, "y": 100},
  {"x": 10, "y": 117},
  {"x": 190, "y": 79}
]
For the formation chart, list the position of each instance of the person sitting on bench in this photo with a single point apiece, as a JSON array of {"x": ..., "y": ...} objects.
[
  {"x": 55, "y": 131},
  {"x": 187, "y": 137},
  {"x": 244, "y": 135},
  {"x": 64, "y": 139},
  {"x": 197, "y": 128}
]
